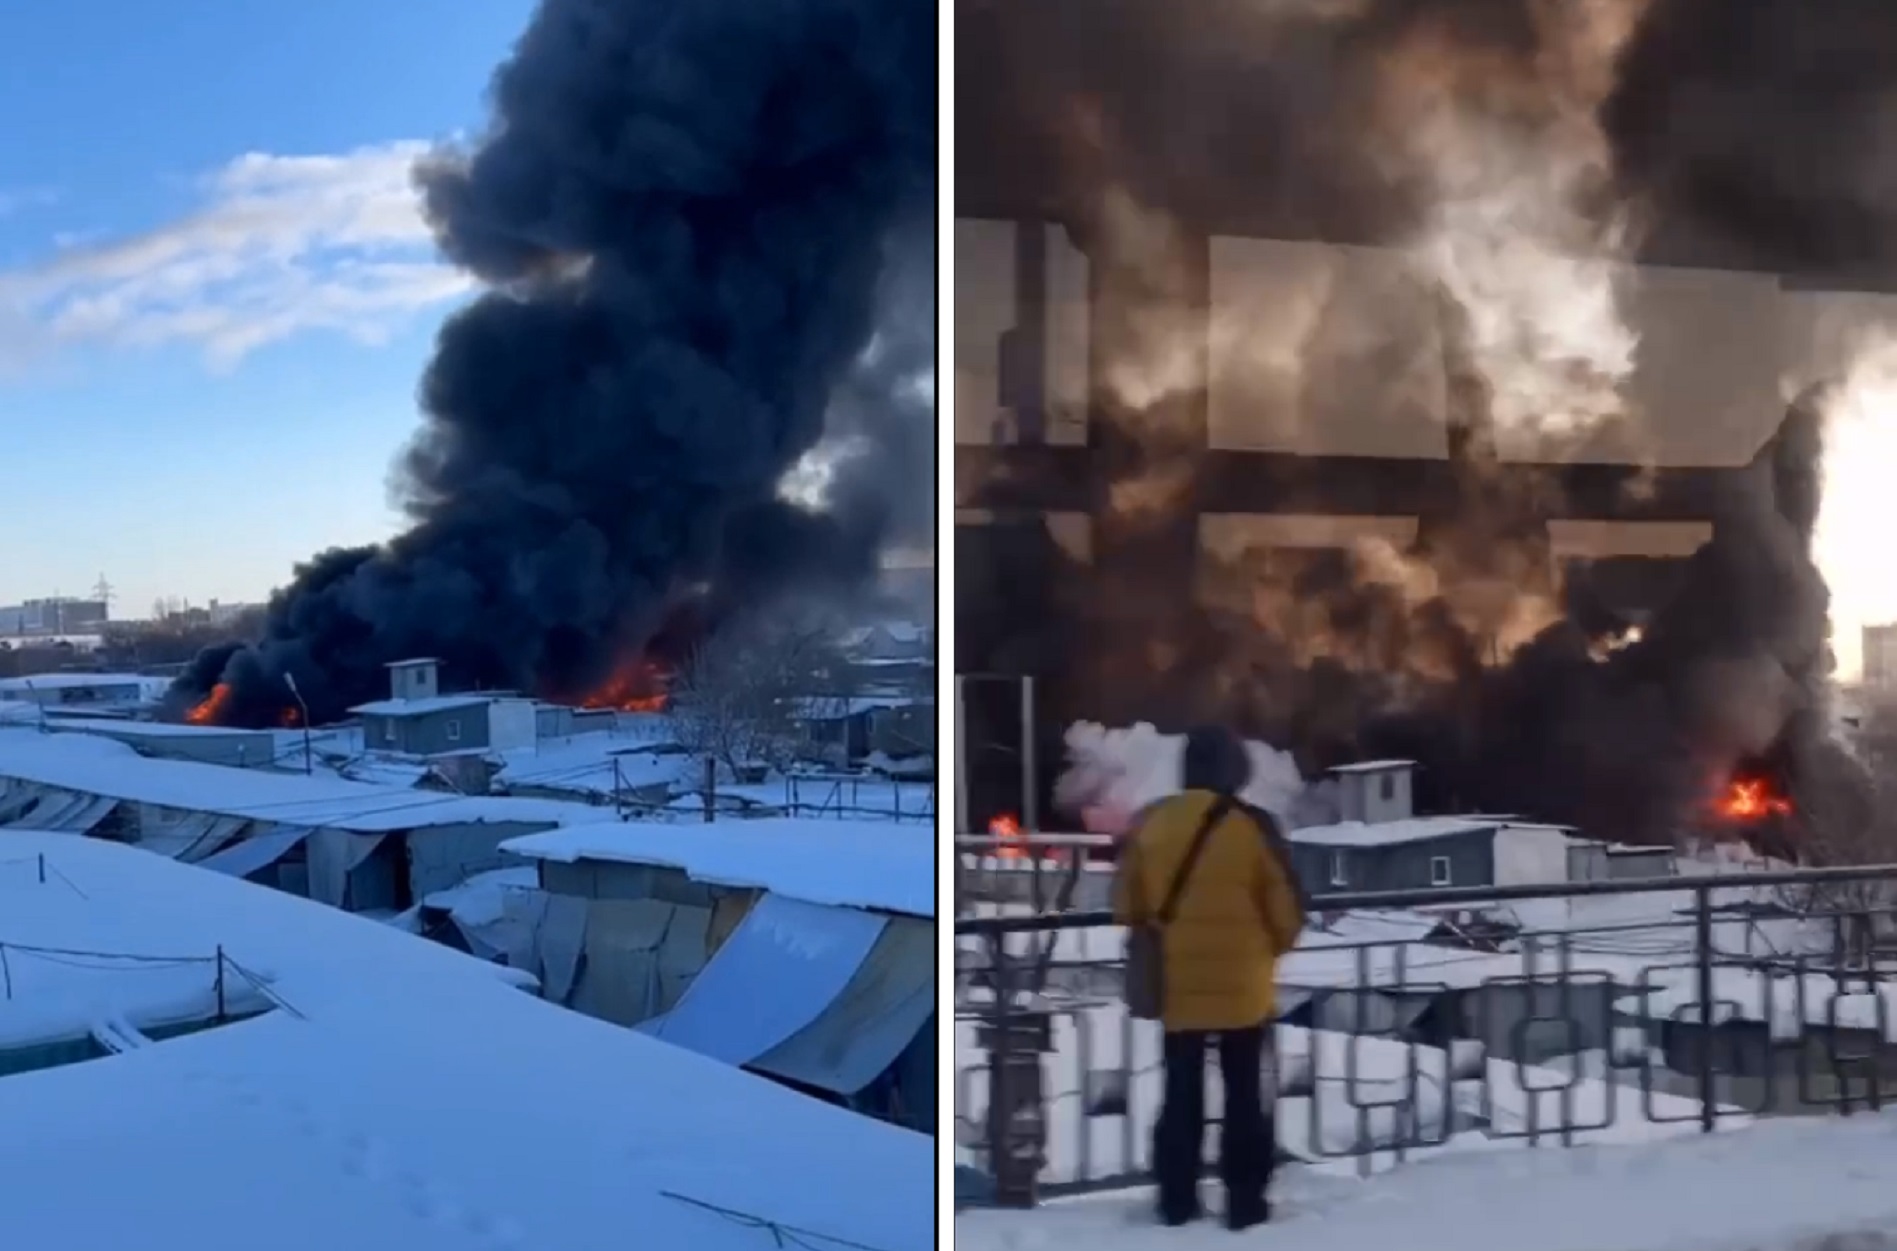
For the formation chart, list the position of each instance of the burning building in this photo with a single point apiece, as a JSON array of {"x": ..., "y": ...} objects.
[
  {"x": 697, "y": 373},
  {"x": 1410, "y": 379}
]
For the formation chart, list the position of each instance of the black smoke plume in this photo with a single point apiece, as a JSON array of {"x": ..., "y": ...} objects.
[
  {"x": 682, "y": 212},
  {"x": 1753, "y": 136}
]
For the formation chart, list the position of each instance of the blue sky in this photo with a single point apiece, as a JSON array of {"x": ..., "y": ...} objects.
[{"x": 216, "y": 296}]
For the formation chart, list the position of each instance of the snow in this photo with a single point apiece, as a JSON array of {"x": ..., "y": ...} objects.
[
  {"x": 834, "y": 708},
  {"x": 1530, "y": 854},
  {"x": 407, "y": 1099},
  {"x": 1325, "y": 1077},
  {"x": 99, "y": 766},
  {"x": 479, "y": 898},
  {"x": 419, "y": 707},
  {"x": 584, "y": 764},
  {"x": 60, "y": 721},
  {"x": 1790, "y": 1185},
  {"x": 885, "y": 865},
  {"x": 145, "y": 687},
  {"x": 1373, "y": 766},
  {"x": 1386, "y": 833},
  {"x": 19, "y": 712}
]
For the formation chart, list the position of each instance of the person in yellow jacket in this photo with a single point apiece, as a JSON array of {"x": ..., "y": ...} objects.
[{"x": 1237, "y": 908}]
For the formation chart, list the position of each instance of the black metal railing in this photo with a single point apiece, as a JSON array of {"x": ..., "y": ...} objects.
[{"x": 1555, "y": 1013}]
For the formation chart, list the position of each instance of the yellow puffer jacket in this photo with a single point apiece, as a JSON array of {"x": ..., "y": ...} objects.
[{"x": 1239, "y": 910}]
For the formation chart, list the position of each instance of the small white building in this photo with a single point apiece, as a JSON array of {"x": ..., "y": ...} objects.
[{"x": 418, "y": 720}]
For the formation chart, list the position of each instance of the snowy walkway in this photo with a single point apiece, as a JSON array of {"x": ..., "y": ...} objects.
[{"x": 1805, "y": 1185}]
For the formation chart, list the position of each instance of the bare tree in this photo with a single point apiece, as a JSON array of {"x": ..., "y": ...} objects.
[
  {"x": 1846, "y": 817},
  {"x": 746, "y": 695}
]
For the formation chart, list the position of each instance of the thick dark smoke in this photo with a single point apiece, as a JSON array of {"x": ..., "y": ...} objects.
[
  {"x": 683, "y": 213},
  {"x": 1763, "y": 133},
  {"x": 1756, "y": 136}
]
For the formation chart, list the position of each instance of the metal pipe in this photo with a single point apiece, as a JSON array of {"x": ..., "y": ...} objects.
[
  {"x": 961, "y": 759},
  {"x": 1030, "y": 807}
]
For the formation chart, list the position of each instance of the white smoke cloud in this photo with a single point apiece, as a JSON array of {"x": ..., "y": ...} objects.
[
  {"x": 1851, "y": 544},
  {"x": 1113, "y": 773}
]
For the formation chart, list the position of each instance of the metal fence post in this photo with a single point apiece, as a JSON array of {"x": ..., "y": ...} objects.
[
  {"x": 1703, "y": 955},
  {"x": 1016, "y": 1037}
]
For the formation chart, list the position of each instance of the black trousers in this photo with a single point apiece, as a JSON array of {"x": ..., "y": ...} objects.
[{"x": 1247, "y": 1143}]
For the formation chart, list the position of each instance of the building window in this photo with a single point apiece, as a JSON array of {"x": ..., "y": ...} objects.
[
  {"x": 388, "y": 730},
  {"x": 454, "y": 730},
  {"x": 1386, "y": 786},
  {"x": 1340, "y": 869},
  {"x": 1439, "y": 871}
]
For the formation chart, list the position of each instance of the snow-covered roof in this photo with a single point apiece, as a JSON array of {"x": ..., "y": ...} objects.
[
  {"x": 420, "y": 707},
  {"x": 62, "y": 720},
  {"x": 101, "y": 766},
  {"x": 58, "y": 681},
  {"x": 591, "y": 763},
  {"x": 885, "y": 865},
  {"x": 1387, "y": 833},
  {"x": 836, "y": 707},
  {"x": 1373, "y": 766},
  {"x": 408, "y": 1097}
]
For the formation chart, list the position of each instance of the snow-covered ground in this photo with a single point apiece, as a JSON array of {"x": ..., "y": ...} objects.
[
  {"x": 1341, "y": 1093},
  {"x": 403, "y": 1097},
  {"x": 1807, "y": 1185},
  {"x": 1644, "y": 942},
  {"x": 1640, "y": 945}
]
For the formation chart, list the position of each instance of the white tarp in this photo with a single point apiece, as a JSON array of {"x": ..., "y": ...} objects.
[
  {"x": 192, "y": 836},
  {"x": 66, "y": 812},
  {"x": 562, "y": 938},
  {"x": 524, "y": 913},
  {"x": 784, "y": 964},
  {"x": 445, "y": 857},
  {"x": 259, "y": 851},
  {"x": 333, "y": 853}
]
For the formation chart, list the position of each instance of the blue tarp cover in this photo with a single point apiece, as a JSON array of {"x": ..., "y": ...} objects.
[{"x": 784, "y": 964}]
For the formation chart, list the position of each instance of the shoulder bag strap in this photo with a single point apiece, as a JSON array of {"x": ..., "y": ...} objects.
[{"x": 1220, "y": 809}]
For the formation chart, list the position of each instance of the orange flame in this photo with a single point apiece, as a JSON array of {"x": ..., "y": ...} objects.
[
  {"x": 637, "y": 685},
  {"x": 211, "y": 708},
  {"x": 1751, "y": 799},
  {"x": 1006, "y": 830}
]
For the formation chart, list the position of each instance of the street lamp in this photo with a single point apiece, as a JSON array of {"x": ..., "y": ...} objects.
[{"x": 309, "y": 756}]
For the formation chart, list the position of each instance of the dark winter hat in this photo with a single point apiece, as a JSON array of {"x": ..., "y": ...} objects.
[{"x": 1215, "y": 760}]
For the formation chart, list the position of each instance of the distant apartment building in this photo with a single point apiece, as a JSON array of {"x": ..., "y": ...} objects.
[
  {"x": 53, "y": 616},
  {"x": 1880, "y": 657}
]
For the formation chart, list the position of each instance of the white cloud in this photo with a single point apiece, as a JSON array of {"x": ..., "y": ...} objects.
[
  {"x": 17, "y": 199},
  {"x": 279, "y": 245}
]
